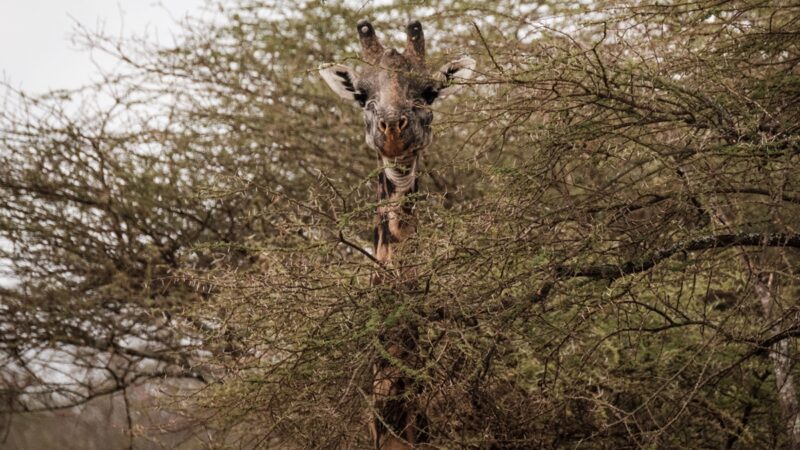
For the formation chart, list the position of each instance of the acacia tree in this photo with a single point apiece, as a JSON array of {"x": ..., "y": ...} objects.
[{"x": 607, "y": 255}]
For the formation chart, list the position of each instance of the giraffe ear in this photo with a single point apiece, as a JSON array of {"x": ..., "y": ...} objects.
[
  {"x": 452, "y": 76},
  {"x": 343, "y": 80}
]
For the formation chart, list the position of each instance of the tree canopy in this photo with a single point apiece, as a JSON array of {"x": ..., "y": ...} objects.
[{"x": 606, "y": 257}]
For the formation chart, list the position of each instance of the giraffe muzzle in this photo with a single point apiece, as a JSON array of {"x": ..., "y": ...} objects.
[{"x": 393, "y": 126}]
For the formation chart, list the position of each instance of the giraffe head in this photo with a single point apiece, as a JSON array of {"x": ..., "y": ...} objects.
[{"x": 395, "y": 91}]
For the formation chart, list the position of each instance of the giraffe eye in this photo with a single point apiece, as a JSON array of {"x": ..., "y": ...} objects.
[
  {"x": 429, "y": 95},
  {"x": 361, "y": 97}
]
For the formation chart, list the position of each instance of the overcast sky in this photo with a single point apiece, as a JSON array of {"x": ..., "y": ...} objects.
[{"x": 36, "y": 53}]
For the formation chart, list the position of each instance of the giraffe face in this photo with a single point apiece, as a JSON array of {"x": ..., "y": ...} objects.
[
  {"x": 395, "y": 92},
  {"x": 396, "y": 104}
]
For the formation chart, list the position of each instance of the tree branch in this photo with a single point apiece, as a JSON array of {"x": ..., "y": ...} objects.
[{"x": 722, "y": 241}]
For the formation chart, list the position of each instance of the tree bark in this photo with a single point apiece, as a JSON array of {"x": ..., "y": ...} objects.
[
  {"x": 780, "y": 356},
  {"x": 779, "y": 353}
]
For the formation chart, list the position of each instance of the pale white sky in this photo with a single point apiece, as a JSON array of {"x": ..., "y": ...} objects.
[{"x": 36, "y": 52}]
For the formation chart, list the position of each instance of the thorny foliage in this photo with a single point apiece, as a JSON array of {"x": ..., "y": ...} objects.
[{"x": 599, "y": 211}]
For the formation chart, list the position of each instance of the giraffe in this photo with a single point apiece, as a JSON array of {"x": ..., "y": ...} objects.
[{"x": 395, "y": 91}]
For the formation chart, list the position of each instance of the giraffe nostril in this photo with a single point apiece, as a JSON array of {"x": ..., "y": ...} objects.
[
  {"x": 403, "y": 122},
  {"x": 382, "y": 126}
]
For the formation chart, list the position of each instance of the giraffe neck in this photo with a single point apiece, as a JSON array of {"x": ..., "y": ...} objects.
[
  {"x": 394, "y": 218},
  {"x": 395, "y": 223}
]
